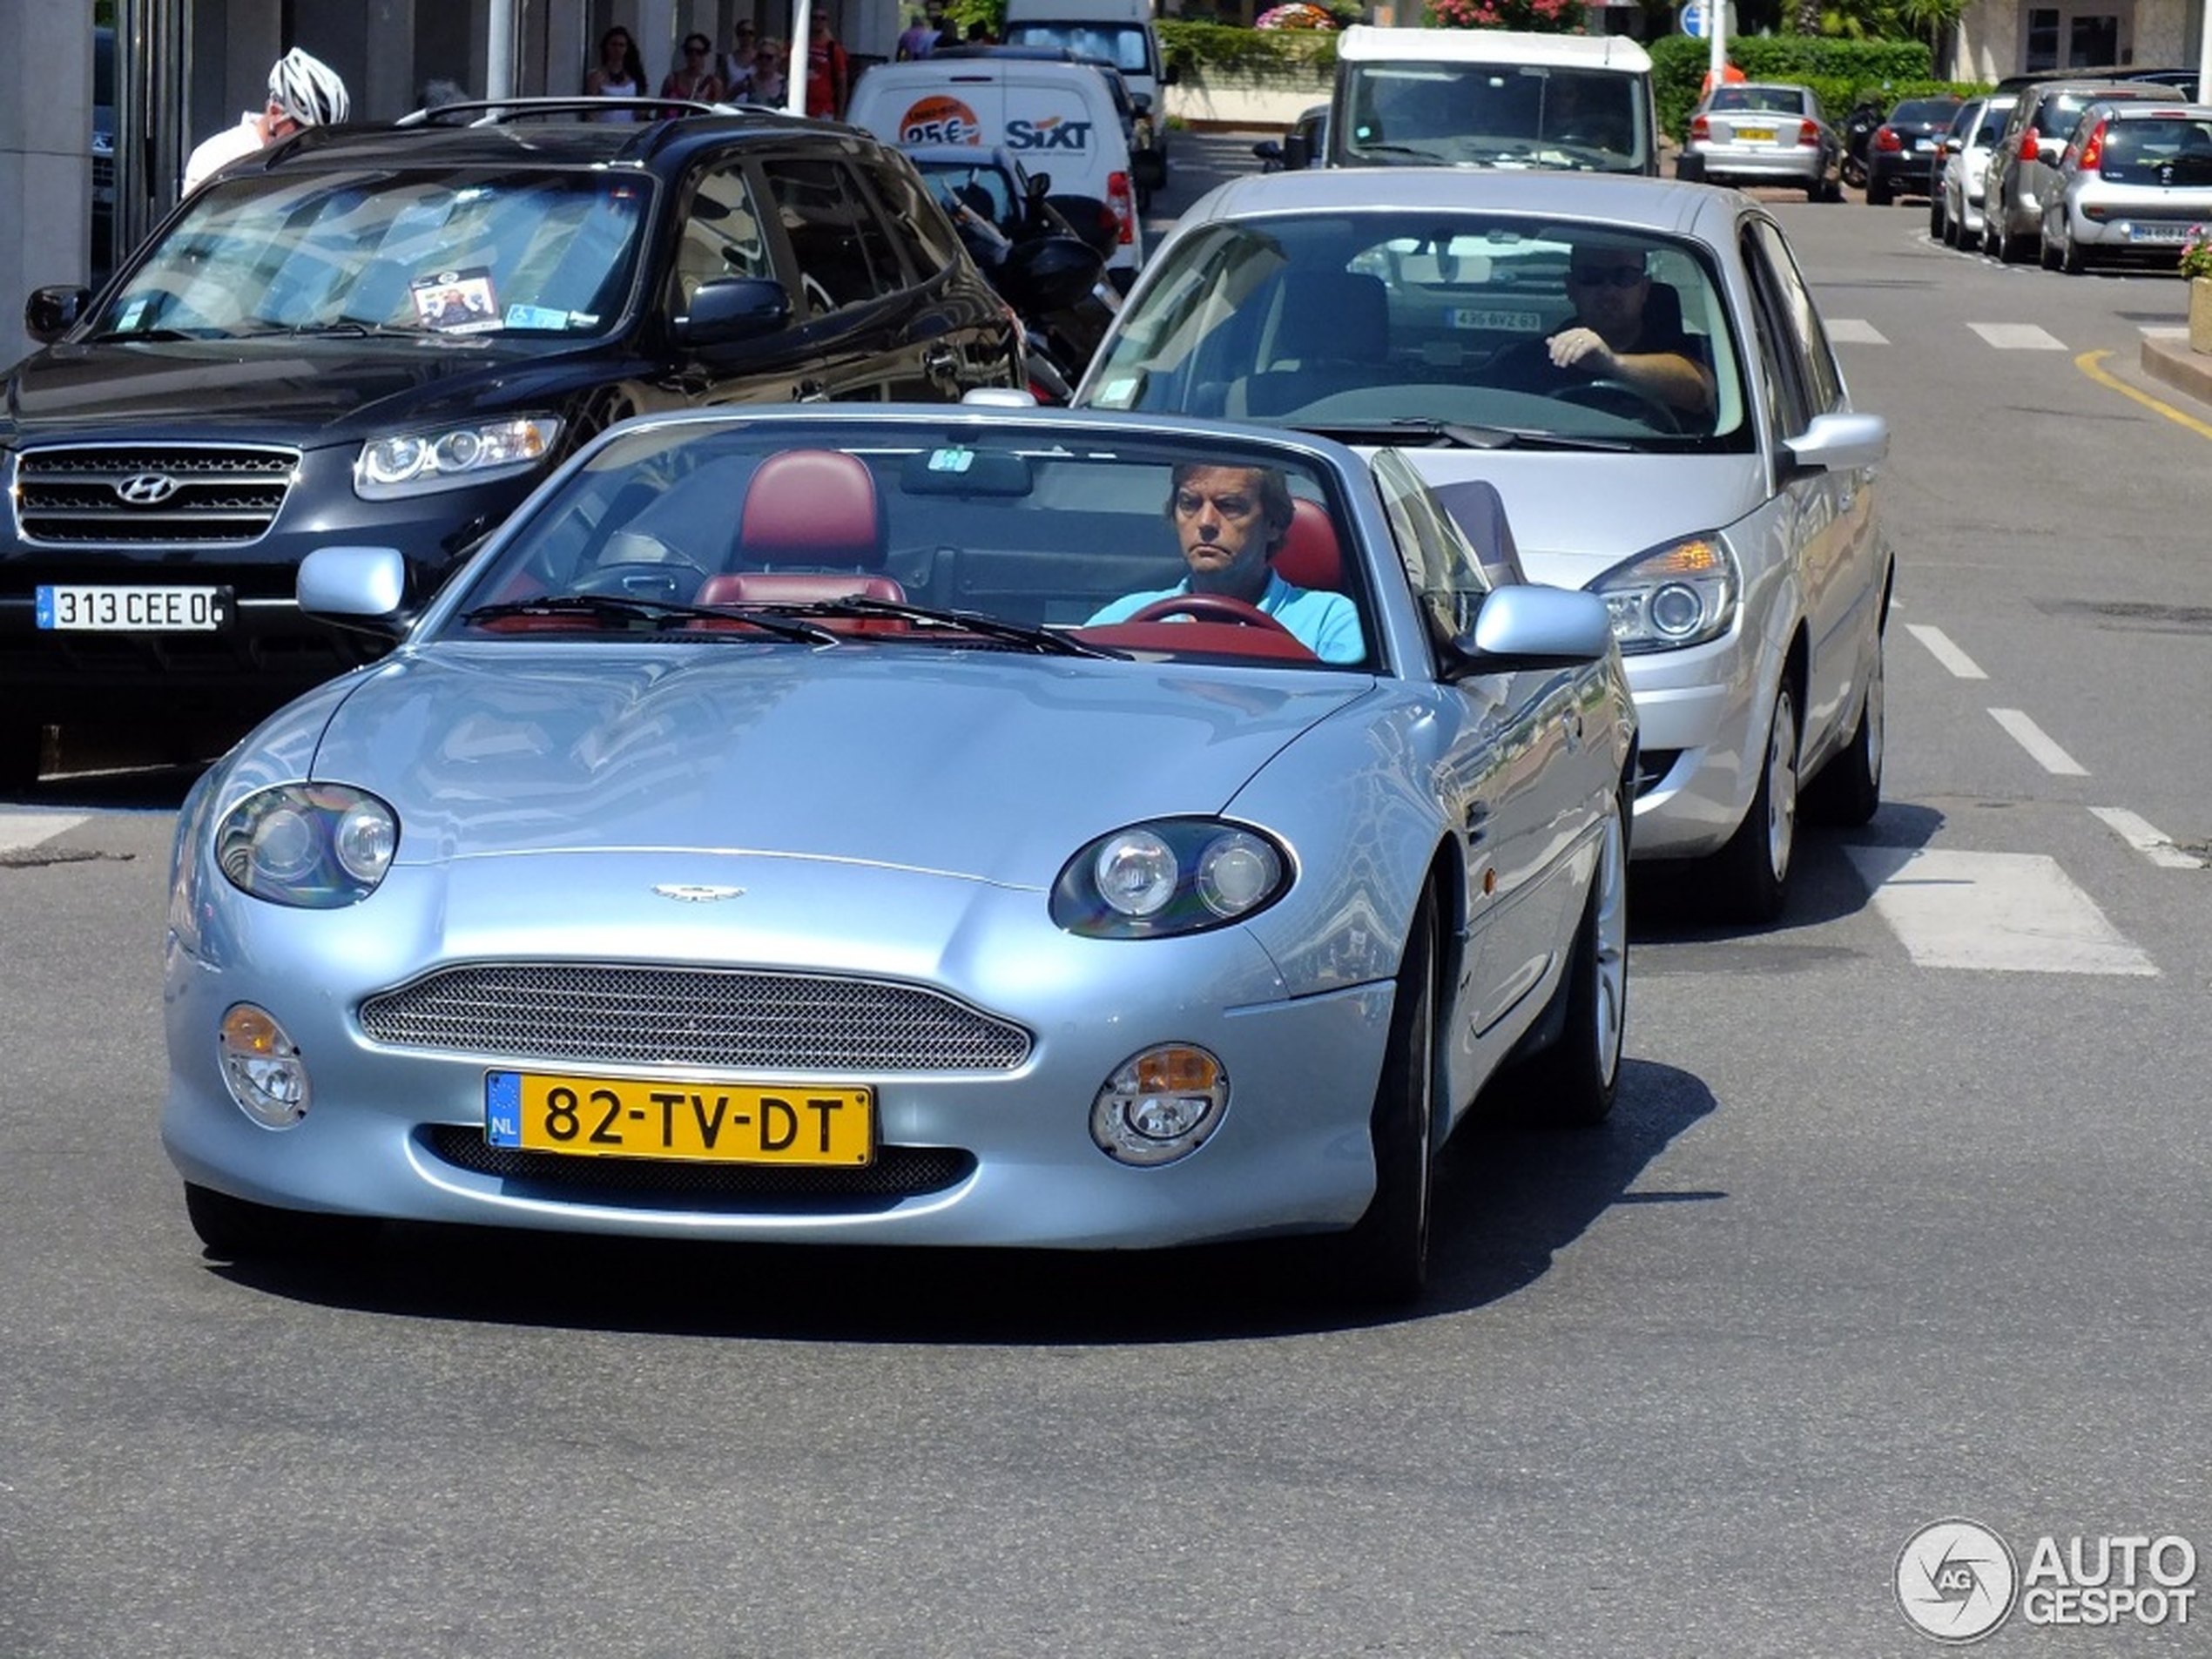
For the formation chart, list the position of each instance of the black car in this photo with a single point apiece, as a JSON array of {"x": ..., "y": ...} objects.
[
  {"x": 1901, "y": 157},
  {"x": 387, "y": 336}
]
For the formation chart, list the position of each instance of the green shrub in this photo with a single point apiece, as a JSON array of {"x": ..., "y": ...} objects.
[
  {"x": 1840, "y": 71},
  {"x": 1203, "y": 50}
]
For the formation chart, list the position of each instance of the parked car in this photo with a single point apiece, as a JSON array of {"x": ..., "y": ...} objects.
[
  {"x": 1738, "y": 544},
  {"x": 2135, "y": 178},
  {"x": 388, "y": 336},
  {"x": 1956, "y": 214},
  {"x": 1748, "y": 133},
  {"x": 1901, "y": 157},
  {"x": 2024, "y": 165},
  {"x": 901, "y": 898}
]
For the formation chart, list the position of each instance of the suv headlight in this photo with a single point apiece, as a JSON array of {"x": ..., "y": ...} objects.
[
  {"x": 1683, "y": 593},
  {"x": 317, "y": 847},
  {"x": 414, "y": 464}
]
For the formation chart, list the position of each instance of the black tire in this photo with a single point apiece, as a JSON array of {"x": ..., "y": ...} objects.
[
  {"x": 1954, "y": 233},
  {"x": 1937, "y": 221},
  {"x": 1878, "y": 192},
  {"x": 1848, "y": 792},
  {"x": 2068, "y": 256},
  {"x": 1572, "y": 1083},
  {"x": 2011, "y": 249},
  {"x": 1384, "y": 1259},
  {"x": 1751, "y": 876},
  {"x": 238, "y": 1228}
]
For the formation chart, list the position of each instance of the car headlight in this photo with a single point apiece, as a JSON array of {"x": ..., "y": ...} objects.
[
  {"x": 1681, "y": 594},
  {"x": 1180, "y": 875},
  {"x": 318, "y": 847},
  {"x": 414, "y": 464}
]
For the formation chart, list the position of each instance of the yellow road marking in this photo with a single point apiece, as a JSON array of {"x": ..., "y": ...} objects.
[{"x": 2092, "y": 364}]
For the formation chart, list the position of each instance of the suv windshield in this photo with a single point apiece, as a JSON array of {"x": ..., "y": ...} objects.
[
  {"x": 1356, "y": 325},
  {"x": 1416, "y": 113},
  {"x": 540, "y": 254}
]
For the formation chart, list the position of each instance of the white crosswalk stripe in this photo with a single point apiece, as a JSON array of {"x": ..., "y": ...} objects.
[
  {"x": 20, "y": 830},
  {"x": 1855, "y": 331},
  {"x": 2012, "y": 912},
  {"x": 2018, "y": 336}
]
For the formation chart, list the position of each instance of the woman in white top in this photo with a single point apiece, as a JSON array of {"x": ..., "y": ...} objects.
[{"x": 619, "y": 73}]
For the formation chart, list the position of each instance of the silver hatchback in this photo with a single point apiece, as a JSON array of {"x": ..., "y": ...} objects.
[
  {"x": 2024, "y": 167},
  {"x": 2133, "y": 179}
]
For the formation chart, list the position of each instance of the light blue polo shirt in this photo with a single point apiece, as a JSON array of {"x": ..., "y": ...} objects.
[{"x": 1326, "y": 623}]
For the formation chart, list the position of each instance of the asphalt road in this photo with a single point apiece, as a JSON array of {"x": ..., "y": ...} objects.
[{"x": 1879, "y": 1236}]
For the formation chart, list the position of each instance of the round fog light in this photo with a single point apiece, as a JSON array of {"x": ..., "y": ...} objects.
[
  {"x": 1160, "y": 1105},
  {"x": 262, "y": 1068}
]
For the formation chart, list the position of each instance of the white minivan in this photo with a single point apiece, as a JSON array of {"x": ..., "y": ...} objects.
[
  {"x": 1120, "y": 31},
  {"x": 1055, "y": 117},
  {"x": 1491, "y": 97}
]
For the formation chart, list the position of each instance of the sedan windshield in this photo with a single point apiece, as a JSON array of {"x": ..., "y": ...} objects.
[
  {"x": 547, "y": 254},
  {"x": 1360, "y": 325},
  {"x": 870, "y": 536}
]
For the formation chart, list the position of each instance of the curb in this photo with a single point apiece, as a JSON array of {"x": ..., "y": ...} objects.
[{"x": 2170, "y": 361}]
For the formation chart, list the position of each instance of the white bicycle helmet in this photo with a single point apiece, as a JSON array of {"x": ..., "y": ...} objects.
[{"x": 308, "y": 90}]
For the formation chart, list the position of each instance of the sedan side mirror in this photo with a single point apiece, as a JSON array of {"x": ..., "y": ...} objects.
[
  {"x": 1531, "y": 626},
  {"x": 360, "y": 588}
]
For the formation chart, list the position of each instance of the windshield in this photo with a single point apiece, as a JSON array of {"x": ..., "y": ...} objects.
[
  {"x": 1347, "y": 323},
  {"x": 1490, "y": 115},
  {"x": 879, "y": 534},
  {"x": 543, "y": 254},
  {"x": 1122, "y": 44}
]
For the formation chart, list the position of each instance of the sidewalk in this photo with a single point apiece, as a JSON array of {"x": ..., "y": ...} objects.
[{"x": 2166, "y": 357}]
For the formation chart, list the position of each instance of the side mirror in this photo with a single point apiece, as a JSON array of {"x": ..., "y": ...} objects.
[
  {"x": 1840, "y": 442},
  {"x": 1040, "y": 186},
  {"x": 1952, "y": 146},
  {"x": 1532, "y": 627},
  {"x": 1298, "y": 152},
  {"x": 52, "y": 312},
  {"x": 729, "y": 310},
  {"x": 362, "y": 587}
]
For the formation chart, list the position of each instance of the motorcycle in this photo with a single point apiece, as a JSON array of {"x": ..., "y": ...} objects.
[
  {"x": 1051, "y": 277},
  {"x": 1860, "y": 127}
]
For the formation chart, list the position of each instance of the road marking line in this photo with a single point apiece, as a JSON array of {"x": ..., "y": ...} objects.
[
  {"x": 29, "y": 829},
  {"x": 2031, "y": 737},
  {"x": 2012, "y": 912},
  {"x": 2017, "y": 336},
  {"x": 2092, "y": 364},
  {"x": 2146, "y": 839},
  {"x": 1855, "y": 331},
  {"x": 1944, "y": 651}
]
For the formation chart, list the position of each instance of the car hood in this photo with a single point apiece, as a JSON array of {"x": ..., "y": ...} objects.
[
  {"x": 993, "y": 767},
  {"x": 1575, "y": 517},
  {"x": 293, "y": 390}
]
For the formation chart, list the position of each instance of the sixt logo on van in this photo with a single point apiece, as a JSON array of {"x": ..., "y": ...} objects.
[
  {"x": 1058, "y": 133},
  {"x": 940, "y": 119}
]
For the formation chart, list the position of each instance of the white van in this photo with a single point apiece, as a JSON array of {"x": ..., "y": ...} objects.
[
  {"x": 1121, "y": 32},
  {"x": 1055, "y": 117},
  {"x": 1491, "y": 97}
]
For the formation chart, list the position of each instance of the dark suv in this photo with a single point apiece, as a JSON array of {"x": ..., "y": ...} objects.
[{"x": 388, "y": 337}]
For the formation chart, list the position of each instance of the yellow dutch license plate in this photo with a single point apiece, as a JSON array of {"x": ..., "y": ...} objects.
[{"x": 637, "y": 1117}]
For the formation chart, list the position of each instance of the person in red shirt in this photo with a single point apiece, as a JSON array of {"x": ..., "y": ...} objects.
[{"x": 829, "y": 76}]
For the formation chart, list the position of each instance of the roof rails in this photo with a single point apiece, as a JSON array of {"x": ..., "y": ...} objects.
[{"x": 492, "y": 112}]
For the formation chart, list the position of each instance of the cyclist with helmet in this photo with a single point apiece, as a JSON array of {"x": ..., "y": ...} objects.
[{"x": 304, "y": 92}]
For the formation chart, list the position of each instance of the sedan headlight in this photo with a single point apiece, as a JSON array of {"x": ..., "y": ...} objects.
[
  {"x": 415, "y": 463},
  {"x": 1179, "y": 875},
  {"x": 316, "y": 845},
  {"x": 1681, "y": 594}
]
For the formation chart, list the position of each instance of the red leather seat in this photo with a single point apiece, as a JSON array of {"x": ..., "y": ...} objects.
[
  {"x": 796, "y": 587},
  {"x": 817, "y": 509},
  {"x": 1309, "y": 556}
]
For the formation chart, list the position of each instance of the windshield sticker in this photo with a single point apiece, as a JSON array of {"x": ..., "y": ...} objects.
[
  {"x": 954, "y": 460},
  {"x": 538, "y": 317},
  {"x": 457, "y": 302},
  {"x": 940, "y": 119}
]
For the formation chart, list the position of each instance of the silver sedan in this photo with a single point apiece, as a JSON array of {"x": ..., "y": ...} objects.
[
  {"x": 879, "y": 825},
  {"x": 1638, "y": 367},
  {"x": 1751, "y": 132}
]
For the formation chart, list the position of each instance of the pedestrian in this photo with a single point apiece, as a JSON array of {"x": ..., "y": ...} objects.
[
  {"x": 770, "y": 85},
  {"x": 697, "y": 81},
  {"x": 619, "y": 73},
  {"x": 304, "y": 92},
  {"x": 920, "y": 37},
  {"x": 829, "y": 74},
  {"x": 737, "y": 65}
]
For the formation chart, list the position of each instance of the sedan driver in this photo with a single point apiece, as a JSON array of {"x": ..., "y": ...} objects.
[{"x": 1232, "y": 521}]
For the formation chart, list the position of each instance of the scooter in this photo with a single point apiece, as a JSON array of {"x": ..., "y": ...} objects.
[
  {"x": 1052, "y": 280},
  {"x": 1860, "y": 127}
]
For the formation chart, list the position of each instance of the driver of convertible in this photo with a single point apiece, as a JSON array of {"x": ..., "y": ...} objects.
[
  {"x": 1230, "y": 521},
  {"x": 1613, "y": 336}
]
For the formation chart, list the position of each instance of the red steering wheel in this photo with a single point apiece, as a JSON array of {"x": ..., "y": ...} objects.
[{"x": 1207, "y": 607}]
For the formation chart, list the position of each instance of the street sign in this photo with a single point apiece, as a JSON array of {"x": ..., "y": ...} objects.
[{"x": 1697, "y": 20}]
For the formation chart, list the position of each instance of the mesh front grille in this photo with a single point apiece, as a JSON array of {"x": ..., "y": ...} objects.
[
  {"x": 693, "y": 1016},
  {"x": 898, "y": 1172},
  {"x": 200, "y": 494}
]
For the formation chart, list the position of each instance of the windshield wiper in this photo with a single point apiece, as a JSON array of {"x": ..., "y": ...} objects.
[
  {"x": 1045, "y": 640},
  {"x": 655, "y": 613},
  {"x": 344, "y": 328}
]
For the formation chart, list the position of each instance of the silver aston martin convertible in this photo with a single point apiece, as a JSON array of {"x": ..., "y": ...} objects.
[{"x": 967, "y": 826}]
